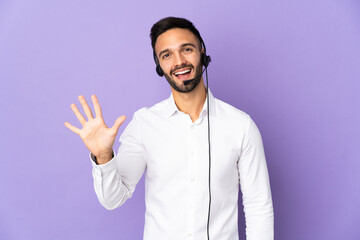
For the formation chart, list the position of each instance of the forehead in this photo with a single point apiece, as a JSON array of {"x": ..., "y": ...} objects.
[{"x": 173, "y": 38}]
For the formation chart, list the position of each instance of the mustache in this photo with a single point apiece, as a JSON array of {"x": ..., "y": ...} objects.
[{"x": 180, "y": 67}]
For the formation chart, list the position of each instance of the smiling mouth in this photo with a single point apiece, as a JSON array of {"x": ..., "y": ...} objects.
[
  {"x": 183, "y": 75},
  {"x": 183, "y": 72}
]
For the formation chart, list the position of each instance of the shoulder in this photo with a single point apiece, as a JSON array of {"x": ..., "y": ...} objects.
[
  {"x": 226, "y": 111},
  {"x": 157, "y": 109},
  {"x": 234, "y": 119},
  {"x": 145, "y": 117}
]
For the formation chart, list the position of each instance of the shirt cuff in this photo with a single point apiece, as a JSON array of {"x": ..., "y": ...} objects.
[{"x": 106, "y": 167}]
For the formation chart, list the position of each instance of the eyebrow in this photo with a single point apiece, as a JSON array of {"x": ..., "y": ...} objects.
[{"x": 181, "y": 46}]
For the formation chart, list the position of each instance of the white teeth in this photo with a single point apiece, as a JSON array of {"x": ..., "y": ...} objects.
[{"x": 186, "y": 71}]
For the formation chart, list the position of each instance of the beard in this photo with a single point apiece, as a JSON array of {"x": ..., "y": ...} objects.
[{"x": 192, "y": 82}]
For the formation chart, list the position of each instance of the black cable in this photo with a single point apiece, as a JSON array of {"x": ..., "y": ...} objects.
[{"x": 208, "y": 109}]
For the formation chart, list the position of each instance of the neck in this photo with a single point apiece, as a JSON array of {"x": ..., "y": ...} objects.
[{"x": 192, "y": 102}]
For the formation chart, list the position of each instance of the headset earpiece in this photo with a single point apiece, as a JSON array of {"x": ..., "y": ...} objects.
[
  {"x": 159, "y": 71},
  {"x": 205, "y": 59}
]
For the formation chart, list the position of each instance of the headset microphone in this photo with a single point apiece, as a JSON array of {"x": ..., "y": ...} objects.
[{"x": 186, "y": 82}]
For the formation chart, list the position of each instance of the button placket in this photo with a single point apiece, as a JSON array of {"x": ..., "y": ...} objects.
[
  {"x": 189, "y": 225},
  {"x": 192, "y": 179}
]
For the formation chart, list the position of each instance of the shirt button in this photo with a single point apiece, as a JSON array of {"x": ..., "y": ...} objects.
[
  {"x": 193, "y": 179},
  {"x": 189, "y": 235}
]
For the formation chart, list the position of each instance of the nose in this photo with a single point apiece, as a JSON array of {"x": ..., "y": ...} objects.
[{"x": 179, "y": 59}]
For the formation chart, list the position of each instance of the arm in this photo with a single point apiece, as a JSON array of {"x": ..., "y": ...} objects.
[
  {"x": 111, "y": 189},
  {"x": 255, "y": 187},
  {"x": 115, "y": 181}
]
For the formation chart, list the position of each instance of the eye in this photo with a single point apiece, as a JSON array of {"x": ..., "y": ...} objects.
[
  {"x": 165, "y": 55},
  {"x": 187, "y": 50}
]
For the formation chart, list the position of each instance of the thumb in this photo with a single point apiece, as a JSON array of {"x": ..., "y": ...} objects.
[{"x": 118, "y": 123}]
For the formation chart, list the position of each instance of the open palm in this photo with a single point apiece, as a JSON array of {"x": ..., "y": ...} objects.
[{"x": 98, "y": 138}]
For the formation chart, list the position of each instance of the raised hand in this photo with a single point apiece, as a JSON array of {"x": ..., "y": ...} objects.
[{"x": 98, "y": 138}]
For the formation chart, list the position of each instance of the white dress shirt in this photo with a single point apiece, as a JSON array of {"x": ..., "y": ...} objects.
[{"x": 174, "y": 152}]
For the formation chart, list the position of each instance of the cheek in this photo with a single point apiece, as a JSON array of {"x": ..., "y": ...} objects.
[
  {"x": 196, "y": 60},
  {"x": 166, "y": 66}
]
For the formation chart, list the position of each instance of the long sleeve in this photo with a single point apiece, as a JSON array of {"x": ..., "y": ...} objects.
[
  {"x": 255, "y": 187},
  {"x": 115, "y": 181}
]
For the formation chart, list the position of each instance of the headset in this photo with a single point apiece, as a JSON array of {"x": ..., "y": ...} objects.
[{"x": 205, "y": 60}]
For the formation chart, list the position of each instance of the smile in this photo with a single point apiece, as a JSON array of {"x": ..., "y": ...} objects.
[{"x": 184, "y": 72}]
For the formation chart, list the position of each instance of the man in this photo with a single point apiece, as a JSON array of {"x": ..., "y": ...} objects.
[{"x": 170, "y": 140}]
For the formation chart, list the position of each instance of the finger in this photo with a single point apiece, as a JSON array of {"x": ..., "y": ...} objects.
[
  {"x": 86, "y": 107},
  {"x": 72, "y": 128},
  {"x": 118, "y": 123},
  {"x": 96, "y": 106},
  {"x": 78, "y": 115}
]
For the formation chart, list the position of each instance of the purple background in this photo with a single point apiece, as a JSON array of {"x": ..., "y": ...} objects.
[{"x": 294, "y": 66}]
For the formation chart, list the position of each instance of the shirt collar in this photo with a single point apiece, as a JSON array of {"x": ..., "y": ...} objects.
[{"x": 171, "y": 107}]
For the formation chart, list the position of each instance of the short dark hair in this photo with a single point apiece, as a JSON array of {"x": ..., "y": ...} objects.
[{"x": 169, "y": 23}]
